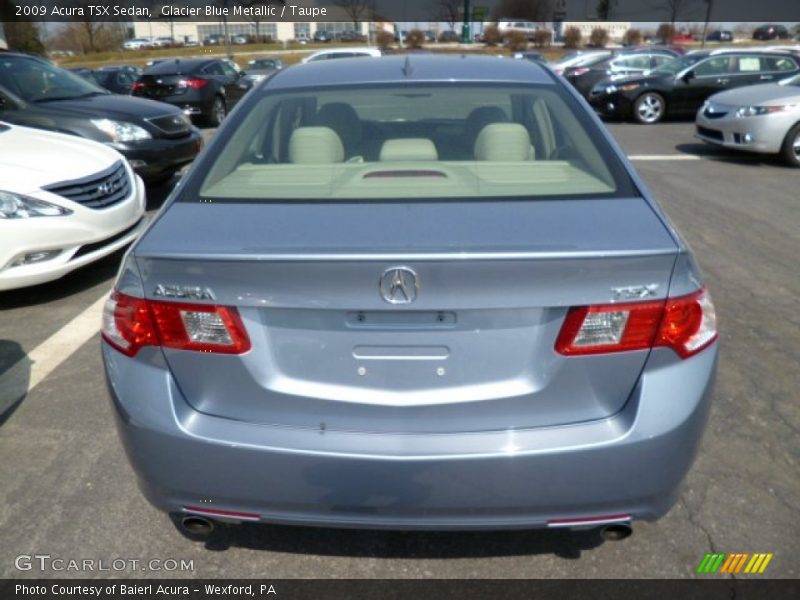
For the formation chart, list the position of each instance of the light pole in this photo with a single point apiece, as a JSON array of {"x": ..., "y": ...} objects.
[
  {"x": 709, "y": 4},
  {"x": 466, "y": 35}
]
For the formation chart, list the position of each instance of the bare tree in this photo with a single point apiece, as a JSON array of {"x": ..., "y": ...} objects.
[
  {"x": 537, "y": 11},
  {"x": 355, "y": 9},
  {"x": 257, "y": 19},
  {"x": 449, "y": 11},
  {"x": 92, "y": 36},
  {"x": 674, "y": 8}
]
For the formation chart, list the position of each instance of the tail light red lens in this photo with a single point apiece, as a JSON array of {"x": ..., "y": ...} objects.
[
  {"x": 137, "y": 85},
  {"x": 193, "y": 83},
  {"x": 686, "y": 324},
  {"x": 130, "y": 323}
]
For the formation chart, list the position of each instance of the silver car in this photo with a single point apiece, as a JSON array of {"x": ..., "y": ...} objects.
[
  {"x": 417, "y": 292},
  {"x": 759, "y": 118}
]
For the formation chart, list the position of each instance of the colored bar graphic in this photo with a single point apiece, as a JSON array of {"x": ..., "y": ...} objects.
[
  {"x": 729, "y": 563},
  {"x": 741, "y": 562},
  {"x": 722, "y": 563},
  {"x": 703, "y": 564}
]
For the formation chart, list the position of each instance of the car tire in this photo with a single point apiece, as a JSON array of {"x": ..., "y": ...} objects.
[
  {"x": 649, "y": 108},
  {"x": 217, "y": 112},
  {"x": 791, "y": 146}
]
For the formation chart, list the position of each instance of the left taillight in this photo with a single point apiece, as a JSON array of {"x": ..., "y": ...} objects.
[
  {"x": 137, "y": 85},
  {"x": 130, "y": 323},
  {"x": 686, "y": 324}
]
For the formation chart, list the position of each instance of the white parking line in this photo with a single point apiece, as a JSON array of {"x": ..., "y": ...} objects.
[
  {"x": 48, "y": 355},
  {"x": 664, "y": 157}
]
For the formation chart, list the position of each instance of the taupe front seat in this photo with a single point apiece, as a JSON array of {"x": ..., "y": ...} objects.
[
  {"x": 315, "y": 146},
  {"x": 480, "y": 118},
  {"x": 504, "y": 142},
  {"x": 342, "y": 118}
]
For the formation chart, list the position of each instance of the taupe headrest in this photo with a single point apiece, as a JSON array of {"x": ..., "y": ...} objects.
[
  {"x": 315, "y": 145},
  {"x": 406, "y": 149},
  {"x": 503, "y": 142}
]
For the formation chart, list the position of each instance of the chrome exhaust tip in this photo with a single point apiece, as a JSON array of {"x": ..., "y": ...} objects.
[
  {"x": 616, "y": 532},
  {"x": 196, "y": 525}
]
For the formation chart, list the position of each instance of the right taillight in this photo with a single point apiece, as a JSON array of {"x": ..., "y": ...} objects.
[
  {"x": 193, "y": 83},
  {"x": 130, "y": 323},
  {"x": 137, "y": 85},
  {"x": 686, "y": 324}
]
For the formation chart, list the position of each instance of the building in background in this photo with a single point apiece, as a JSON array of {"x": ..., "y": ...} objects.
[
  {"x": 616, "y": 29},
  {"x": 3, "y": 43}
]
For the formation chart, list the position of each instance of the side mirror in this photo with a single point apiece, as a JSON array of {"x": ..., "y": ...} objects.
[{"x": 688, "y": 76}]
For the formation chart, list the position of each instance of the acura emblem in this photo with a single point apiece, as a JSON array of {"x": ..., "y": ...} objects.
[{"x": 399, "y": 285}]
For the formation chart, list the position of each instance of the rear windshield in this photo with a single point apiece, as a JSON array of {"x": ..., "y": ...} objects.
[{"x": 413, "y": 142}]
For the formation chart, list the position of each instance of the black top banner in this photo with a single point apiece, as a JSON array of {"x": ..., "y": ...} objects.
[{"x": 538, "y": 11}]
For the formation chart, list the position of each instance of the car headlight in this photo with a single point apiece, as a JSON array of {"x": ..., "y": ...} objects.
[
  {"x": 120, "y": 131},
  {"x": 754, "y": 111},
  {"x": 610, "y": 89},
  {"x": 17, "y": 206}
]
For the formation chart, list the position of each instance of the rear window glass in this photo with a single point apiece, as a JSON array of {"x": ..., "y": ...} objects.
[{"x": 424, "y": 141}]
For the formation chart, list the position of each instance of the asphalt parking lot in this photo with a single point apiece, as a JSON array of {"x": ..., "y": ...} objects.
[{"x": 68, "y": 491}]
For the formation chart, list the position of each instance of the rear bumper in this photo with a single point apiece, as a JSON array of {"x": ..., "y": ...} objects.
[{"x": 629, "y": 464}]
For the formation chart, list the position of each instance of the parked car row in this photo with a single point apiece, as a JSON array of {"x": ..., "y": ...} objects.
[
  {"x": 746, "y": 99},
  {"x": 143, "y": 43}
]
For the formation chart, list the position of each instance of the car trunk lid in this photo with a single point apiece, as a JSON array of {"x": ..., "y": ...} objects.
[{"x": 473, "y": 351}]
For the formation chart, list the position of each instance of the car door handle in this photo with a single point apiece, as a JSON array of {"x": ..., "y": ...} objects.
[
  {"x": 723, "y": 80},
  {"x": 766, "y": 77}
]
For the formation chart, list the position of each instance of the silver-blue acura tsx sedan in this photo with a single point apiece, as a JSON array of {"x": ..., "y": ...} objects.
[{"x": 417, "y": 293}]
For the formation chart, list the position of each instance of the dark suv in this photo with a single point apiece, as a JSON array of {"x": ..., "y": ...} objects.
[
  {"x": 204, "y": 88},
  {"x": 156, "y": 139},
  {"x": 771, "y": 32},
  {"x": 680, "y": 87}
]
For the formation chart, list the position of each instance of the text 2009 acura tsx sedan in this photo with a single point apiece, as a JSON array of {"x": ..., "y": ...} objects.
[{"x": 427, "y": 292}]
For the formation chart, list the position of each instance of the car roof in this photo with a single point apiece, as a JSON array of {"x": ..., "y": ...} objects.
[
  {"x": 747, "y": 50},
  {"x": 185, "y": 65},
  {"x": 412, "y": 68}
]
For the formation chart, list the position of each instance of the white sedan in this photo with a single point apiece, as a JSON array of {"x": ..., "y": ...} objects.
[{"x": 65, "y": 201}]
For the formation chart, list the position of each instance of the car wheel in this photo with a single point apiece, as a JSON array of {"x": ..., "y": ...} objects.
[
  {"x": 649, "y": 108},
  {"x": 217, "y": 113},
  {"x": 791, "y": 146}
]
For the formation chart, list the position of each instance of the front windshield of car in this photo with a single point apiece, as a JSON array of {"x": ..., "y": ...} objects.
[
  {"x": 413, "y": 141},
  {"x": 38, "y": 81},
  {"x": 674, "y": 67}
]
